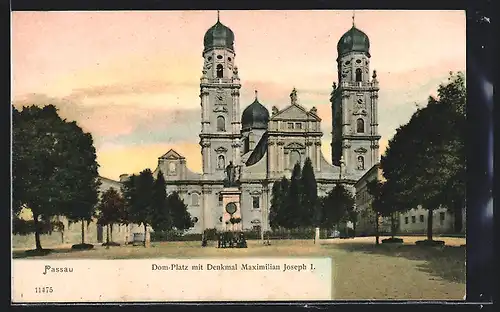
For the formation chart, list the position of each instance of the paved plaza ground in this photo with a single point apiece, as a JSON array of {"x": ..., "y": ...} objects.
[{"x": 362, "y": 270}]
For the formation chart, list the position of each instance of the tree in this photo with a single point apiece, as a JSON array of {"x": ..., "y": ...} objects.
[
  {"x": 427, "y": 156},
  {"x": 335, "y": 206},
  {"x": 138, "y": 192},
  {"x": 85, "y": 188},
  {"x": 310, "y": 213},
  {"x": 54, "y": 167},
  {"x": 386, "y": 200},
  {"x": 111, "y": 210},
  {"x": 161, "y": 219},
  {"x": 181, "y": 218},
  {"x": 291, "y": 213},
  {"x": 277, "y": 211}
]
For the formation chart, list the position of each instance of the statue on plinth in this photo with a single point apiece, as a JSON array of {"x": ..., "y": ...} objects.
[{"x": 230, "y": 174}]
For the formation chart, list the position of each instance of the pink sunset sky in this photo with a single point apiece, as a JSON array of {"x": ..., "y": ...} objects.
[{"x": 131, "y": 78}]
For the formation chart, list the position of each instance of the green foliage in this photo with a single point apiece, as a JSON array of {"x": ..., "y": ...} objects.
[
  {"x": 140, "y": 208},
  {"x": 181, "y": 219},
  {"x": 291, "y": 212},
  {"x": 278, "y": 200},
  {"x": 111, "y": 208},
  {"x": 336, "y": 206},
  {"x": 54, "y": 166},
  {"x": 425, "y": 161},
  {"x": 26, "y": 227},
  {"x": 160, "y": 219},
  {"x": 310, "y": 213}
]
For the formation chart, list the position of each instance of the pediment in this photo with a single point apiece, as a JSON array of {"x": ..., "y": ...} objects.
[
  {"x": 295, "y": 112},
  {"x": 172, "y": 155},
  {"x": 295, "y": 145}
]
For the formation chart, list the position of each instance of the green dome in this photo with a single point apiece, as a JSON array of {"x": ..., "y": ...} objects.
[
  {"x": 255, "y": 116},
  {"x": 219, "y": 36},
  {"x": 354, "y": 40}
]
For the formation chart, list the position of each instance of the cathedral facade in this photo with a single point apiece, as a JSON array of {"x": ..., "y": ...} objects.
[{"x": 264, "y": 146}]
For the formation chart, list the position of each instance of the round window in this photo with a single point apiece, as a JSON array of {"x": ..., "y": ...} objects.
[
  {"x": 209, "y": 58},
  {"x": 348, "y": 62},
  {"x": 358, "y": 61},
  {"x": 229, "y": 59},
  {"x": 231, "y": 208},
  {"x": 219, "y": 57},
  {"x": 195, "y": 219}
]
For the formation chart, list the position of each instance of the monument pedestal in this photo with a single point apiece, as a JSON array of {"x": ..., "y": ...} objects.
[{"x": 231, "y": 208}]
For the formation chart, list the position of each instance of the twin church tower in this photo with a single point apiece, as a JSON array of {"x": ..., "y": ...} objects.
[
  {"x": 354, "y": 102},
  {"x": 259, "y": 147}
]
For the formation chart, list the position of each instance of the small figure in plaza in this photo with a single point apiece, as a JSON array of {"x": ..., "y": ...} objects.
[{"x": 219, "y": 240}]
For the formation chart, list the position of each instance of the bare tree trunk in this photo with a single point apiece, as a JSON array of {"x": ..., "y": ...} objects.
[
  {"x": 107, "y": 234},
  {"x": 393, "y": 228},
  {"x": 83, "y": 232},
  {"x": 37, "y": 232},
  {"x": 111, "y": 231},
  {"x": 377, "y": 234},
  {"x": 145, "y": 233},
  {"x": 429, "y": 223}
]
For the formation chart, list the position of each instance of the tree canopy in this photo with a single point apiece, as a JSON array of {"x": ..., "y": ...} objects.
[
  {"x": 426, "y": 157},
  {"x": 54, "y": 166}
]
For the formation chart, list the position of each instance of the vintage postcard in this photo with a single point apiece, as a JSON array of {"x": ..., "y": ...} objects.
[{"x": 238, "y": 156}]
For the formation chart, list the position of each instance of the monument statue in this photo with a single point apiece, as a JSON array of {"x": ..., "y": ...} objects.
[{"x": 230, "y": 174}]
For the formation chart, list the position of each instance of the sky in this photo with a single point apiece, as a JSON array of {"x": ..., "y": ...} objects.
[{"x": 131, "y": 78}]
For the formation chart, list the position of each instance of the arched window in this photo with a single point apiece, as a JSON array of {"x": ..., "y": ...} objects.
[
  {"x": 221, "y": 162},
  {"x": 194, "y": 199},
  {"x": 358, "y": 74},
  {"x": 221, "y": 124},
  {"x": 220, "y": 71},
  {"x": 294, "y": 158},
  {"x": 361, "y": 163},
  {"x": 360, "y": 126}
]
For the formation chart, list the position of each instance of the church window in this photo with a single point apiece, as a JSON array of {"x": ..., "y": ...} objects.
[
  {"x": 361, "y": 163},
  {"x": 360, "y": 126},
  {"x": 256, "y": 228},
  {"x": 209, "y": 58},
  {"x": 172, "y": 168},
  {"x": 421, "y": 218},
  {"x": 441, "y": 218},
  {"x": 413, "y": 219},
  {"x": 358, "y": 61},
  {"x": 406, "y": 220},
  {"x": 221, "y": 162},
  {"x": 348, "y": 62},
  {"x": 298, "y": 125},
  {"x": 219, "y": 57},
  {"x": 290, "y": 125},
  {"x": 294, "y": 158},
  {"x": 358, "y": 74},
  {"x": 229, "y": 59},
  {"x": 220, "y": 71},
  {"x": 255, "y": 202},
  {"x": 221, "y": 124},
  {"x": 194, "y": 199}
]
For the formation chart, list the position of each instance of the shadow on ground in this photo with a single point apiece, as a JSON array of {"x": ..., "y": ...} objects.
[
  {"x": 20, "y": 254},
  {"x": 446, "y": 262}
]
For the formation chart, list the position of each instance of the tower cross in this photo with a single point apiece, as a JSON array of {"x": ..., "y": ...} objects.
[
  {"x": 353, "y": 16},
  {"x": 218, "y": 16},
  {"x": 256, "y": 94}
]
